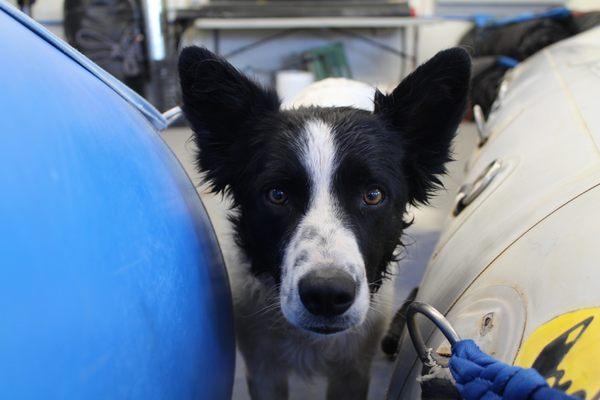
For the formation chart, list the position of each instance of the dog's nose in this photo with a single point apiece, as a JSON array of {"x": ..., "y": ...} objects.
[{"x": 327, "y": 292}]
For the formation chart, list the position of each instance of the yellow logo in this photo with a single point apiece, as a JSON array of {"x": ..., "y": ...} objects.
[{"x": 566, "y": 351}]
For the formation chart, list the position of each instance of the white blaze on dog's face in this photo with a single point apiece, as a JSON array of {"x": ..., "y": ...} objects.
[
  {"x": 322, "y": 250},
  {"x": 320, "y": 192}
]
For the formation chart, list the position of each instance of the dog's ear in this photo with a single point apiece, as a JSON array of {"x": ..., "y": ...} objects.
[
  {"x": 425, "y": 110},
  {"x": 219, "y": 101}
]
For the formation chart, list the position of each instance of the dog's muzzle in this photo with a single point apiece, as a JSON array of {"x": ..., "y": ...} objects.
[
  {"x": 327, "y": 292},
  {"x": 324, "y": 287}
]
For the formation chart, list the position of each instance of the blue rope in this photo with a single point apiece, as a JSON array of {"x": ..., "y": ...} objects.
[
  {"x": 481, "y": 377},
  {"x": 486, "y": 20},
  {"x": 507, "y": 62}
]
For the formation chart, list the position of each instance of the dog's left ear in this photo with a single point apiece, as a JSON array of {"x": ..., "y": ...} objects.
[{"x": 425, "y": 110}]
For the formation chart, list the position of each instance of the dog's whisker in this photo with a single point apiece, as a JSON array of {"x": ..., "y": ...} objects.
[
  {"x": 263, "y": 310},
  {"x": 385, "y": 303},
  {"x": 377, "y": 311}
]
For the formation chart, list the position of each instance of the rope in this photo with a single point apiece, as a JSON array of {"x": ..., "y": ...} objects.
[{"x": 481, "y": 377}]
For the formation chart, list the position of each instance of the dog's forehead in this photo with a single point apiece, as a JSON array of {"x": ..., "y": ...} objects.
[
  {"x": 317, "y": 143},
  {"x": 325, "y": 132},
  {"x": 317, "y": 149}
]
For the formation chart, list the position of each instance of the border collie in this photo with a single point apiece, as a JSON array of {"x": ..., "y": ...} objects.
[{"x": 319, "y": 198}]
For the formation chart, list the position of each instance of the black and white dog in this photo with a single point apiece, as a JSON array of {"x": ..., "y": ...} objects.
[{"x": 319, "y": 201}]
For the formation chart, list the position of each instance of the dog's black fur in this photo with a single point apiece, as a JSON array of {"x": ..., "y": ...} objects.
[
  {"x": 323, "y": 165},
  {"x": 245, "y": 149}
]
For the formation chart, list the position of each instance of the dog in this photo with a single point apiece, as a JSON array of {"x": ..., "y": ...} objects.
[{"x": 319, "y": 198}]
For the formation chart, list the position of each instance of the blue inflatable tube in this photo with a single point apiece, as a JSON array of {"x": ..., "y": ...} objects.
[{"x": 111, "y": 281}]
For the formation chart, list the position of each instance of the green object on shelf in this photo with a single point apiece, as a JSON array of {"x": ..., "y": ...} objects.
[{"x": 328, "y": 61}]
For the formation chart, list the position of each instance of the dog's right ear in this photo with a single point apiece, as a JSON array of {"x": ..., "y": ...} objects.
[{"x": 219, "y": 101}]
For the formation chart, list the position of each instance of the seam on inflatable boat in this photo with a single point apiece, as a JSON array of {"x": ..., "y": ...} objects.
[{"x": 569, "y": 94}]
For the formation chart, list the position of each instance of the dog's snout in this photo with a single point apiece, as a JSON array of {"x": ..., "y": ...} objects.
[{"x": 327, "y": 292}]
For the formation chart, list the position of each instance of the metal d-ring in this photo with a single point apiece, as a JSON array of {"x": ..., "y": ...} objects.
[
  {"x": 469, "y": 192},
  {"x": 415, "y": 333},
  {"x": 173, "y": 115},
  {"x": 479, "y": 118}
]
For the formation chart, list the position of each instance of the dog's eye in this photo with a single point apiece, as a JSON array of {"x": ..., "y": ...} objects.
[
  {"x": 373, "y": 196},
  {"x": 277, "y": 196}
]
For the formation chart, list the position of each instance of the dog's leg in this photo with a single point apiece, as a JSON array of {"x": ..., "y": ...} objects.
[
  {"x": 349, "y": 384},
  {"x": 268, "y": 385},
  {"x": 390, "y": 342}
]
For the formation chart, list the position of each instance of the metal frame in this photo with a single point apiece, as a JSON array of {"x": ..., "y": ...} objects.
[
  {"x": 400, "y": 53},
  {"x": 180, "y": 20},
  {"x": 157, "y": 49},
  {"x": 347, "y": 26}
]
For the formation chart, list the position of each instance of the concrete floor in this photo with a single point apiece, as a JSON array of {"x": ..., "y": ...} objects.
[{"x": 421, "y": 237}]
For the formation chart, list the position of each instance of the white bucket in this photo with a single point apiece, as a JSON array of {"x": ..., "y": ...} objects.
[{"x": 291, "y": 82}]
